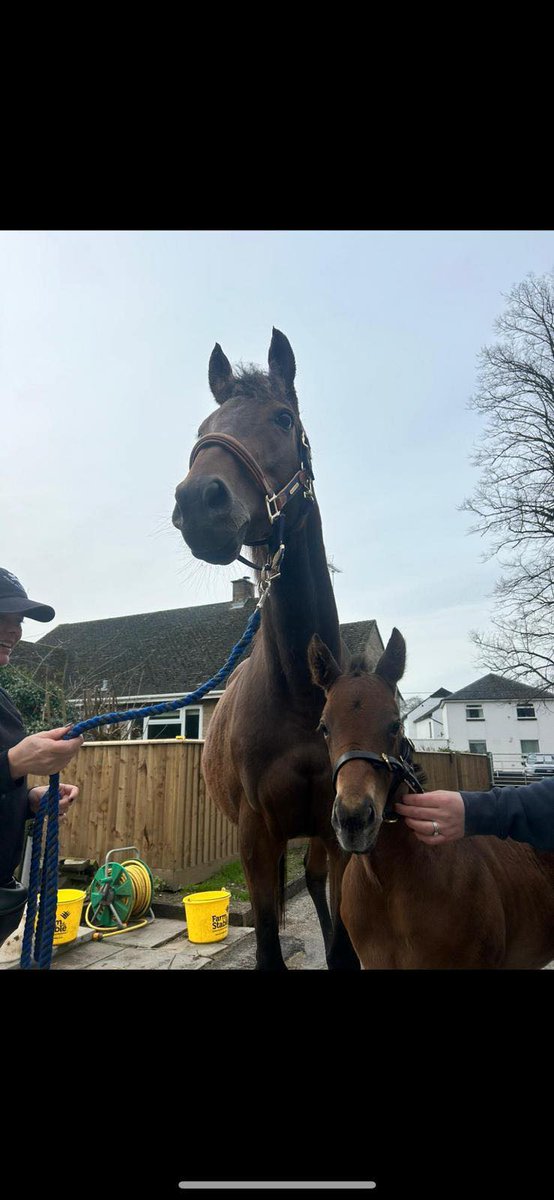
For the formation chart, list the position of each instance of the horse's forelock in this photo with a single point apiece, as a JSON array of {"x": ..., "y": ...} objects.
[
  {"x": 251, "y": 381},
  {"x": 359, "y": 664}
]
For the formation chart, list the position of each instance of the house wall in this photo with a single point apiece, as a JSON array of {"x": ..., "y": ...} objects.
[
  {"x": 430, "y": 727},
  {"x": 208, "y": 709},
  {"x": 500, "y": 729}
]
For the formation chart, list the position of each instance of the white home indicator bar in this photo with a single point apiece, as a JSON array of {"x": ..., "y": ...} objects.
[{"x": 269, "y": 1184}]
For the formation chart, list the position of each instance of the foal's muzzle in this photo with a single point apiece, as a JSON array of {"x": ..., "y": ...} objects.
[{"x": 356, "y": 828}]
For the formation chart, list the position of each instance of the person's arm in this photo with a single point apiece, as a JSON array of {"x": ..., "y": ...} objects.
[
  {"x": 43, "y": 753},
  {"x": 7, "y": 782},
  {"x": 524, "y": 813}
]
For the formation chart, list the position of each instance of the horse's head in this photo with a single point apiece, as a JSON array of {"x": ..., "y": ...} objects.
[
  {"x": 251, "y": 446},
  {"x": 360, "y": 714}
]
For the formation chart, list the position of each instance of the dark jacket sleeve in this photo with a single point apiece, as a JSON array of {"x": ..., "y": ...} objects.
[
  {"x": 7, "y": 784},
  {"x": 524, "y": 813}
]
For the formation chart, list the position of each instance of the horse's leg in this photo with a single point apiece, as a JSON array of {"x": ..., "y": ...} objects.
[
  {"x": 316, "y": 868},
  {"x": 341, "y": 955},
  {"x": 260, "y": 856}
]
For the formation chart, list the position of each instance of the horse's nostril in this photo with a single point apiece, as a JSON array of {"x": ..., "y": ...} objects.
[
  {"x": 215, "y": 494},
  {"x": 177, "y": 517}
]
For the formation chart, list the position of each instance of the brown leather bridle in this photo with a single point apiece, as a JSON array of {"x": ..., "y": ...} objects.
[{"x": 275, "y": 501}]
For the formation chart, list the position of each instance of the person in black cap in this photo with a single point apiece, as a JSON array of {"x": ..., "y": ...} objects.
[{"x": 39, "y": 754}]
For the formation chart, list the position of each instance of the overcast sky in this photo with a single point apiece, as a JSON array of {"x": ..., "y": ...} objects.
[{"x": 104, "y": 345}]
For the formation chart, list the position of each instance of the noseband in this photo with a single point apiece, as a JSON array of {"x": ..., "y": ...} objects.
[
  {"x": 274, "y": 501},
  {"x": 400, "y": 768}
]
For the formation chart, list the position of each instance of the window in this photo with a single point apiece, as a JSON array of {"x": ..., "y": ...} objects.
[
  {"x": 529, "y": 746},
  {"x": 192, "y": 722},
  {"x": 526, "y": 712},
  {"x": 187, "y": 723},
  {"x": 474, "y": 712},
  {"x": 162, "y": 729},
  {"x": 477, "y": 747}
]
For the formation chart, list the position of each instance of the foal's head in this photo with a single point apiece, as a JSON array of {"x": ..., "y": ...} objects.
[
  {"x": 220, "y": 504},
  {"x": 360, "y": 713}
]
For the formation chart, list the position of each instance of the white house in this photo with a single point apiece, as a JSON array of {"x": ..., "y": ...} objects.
[{"x": 494, "y": 715}]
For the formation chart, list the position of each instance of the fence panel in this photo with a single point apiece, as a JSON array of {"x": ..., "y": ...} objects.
[
  {"x": 454, "y": 770},
  {"x": 148, "y": 794}
]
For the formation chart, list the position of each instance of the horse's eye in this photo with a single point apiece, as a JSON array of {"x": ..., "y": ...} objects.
[
  {"x": 285, "y": 419},
  {"x": 395, "y": 728},
  {"x": 322, "y": 728}
]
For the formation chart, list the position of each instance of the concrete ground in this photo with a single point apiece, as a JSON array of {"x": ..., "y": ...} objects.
[{"x": 163, "y": 945}]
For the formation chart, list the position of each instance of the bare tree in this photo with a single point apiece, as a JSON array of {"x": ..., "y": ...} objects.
[
  {"x": 407, "y": 706},
  {"x": 514, "y": 500}
]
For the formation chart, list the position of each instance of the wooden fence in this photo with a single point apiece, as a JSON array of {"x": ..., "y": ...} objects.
[
  {"x": 455, "y": 770},
  {"x": 150, "y": 794}
]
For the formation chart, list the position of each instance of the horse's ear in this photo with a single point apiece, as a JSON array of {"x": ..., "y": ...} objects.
[
  {"x": 393, "y": 659},
  {"x": 220, "y": 375},
  {"x": 323, "y": 667},
  {"x": 281, "y": 359}
]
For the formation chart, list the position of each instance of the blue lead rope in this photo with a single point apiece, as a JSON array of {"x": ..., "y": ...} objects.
[{"x": 44, "y": 936}]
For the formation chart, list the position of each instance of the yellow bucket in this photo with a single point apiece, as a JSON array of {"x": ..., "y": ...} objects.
[
  {"x": 207, "y": 915},
  {"x": 68, "y": 915}
]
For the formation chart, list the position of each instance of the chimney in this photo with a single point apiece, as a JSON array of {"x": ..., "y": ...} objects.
[{"x": 243, "y": 590}]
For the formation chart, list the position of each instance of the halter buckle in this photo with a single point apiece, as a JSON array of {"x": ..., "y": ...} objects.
[
  {"x": 271, "y": 571},
  {"x": 308, "y": 490},
  {"x": 274, "y": 512}
]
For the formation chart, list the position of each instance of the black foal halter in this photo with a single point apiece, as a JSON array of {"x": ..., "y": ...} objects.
[{"x": 400, "y": 768}]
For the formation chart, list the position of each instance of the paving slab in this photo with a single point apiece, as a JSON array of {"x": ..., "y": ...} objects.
[{"x": 158, "y": 933}]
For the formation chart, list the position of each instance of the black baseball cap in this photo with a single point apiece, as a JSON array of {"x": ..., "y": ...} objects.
[{"x": 14, "y": 599}]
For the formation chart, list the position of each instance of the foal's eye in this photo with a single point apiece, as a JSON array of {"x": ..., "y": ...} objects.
[
  {"x": 322, "y": 728},
  {"x": 285, "y": 419}
]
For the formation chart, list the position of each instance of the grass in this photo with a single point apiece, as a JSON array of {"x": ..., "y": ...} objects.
[{"x": 232, "y": 876}]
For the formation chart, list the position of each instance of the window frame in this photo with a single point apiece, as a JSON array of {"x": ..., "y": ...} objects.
[
  {"x": 527, "y": 718},
  {"x": 179, "y": 719}
]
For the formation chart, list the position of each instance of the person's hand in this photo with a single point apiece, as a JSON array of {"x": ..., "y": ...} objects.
[
  {"x": 43, "y": 753},
  {"x": 68, "y": 793},
  {"x": 445, "y": 809}
]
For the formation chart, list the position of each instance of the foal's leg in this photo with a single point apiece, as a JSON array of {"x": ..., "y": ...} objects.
[
  {"x": 316, "y": 868},
  {"x": 260, "y": 855},
  {"x": 341, "y": 955}
]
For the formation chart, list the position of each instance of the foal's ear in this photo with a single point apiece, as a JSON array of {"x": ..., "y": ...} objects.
[
  {"x": 323, "y": 667},
  {"x": 281, "y": 359},
  {"x": 220, "y": 375},
  {"x": 393, "y": 659}
]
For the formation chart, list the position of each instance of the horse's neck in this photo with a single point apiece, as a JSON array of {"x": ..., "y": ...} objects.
[
  {"x": 301, "y": 603},
  {"x": 397, "y": 854}
]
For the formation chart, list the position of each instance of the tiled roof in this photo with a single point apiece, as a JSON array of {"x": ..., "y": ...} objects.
[
  {"x": 497, "y": 687},
  {"x": 158, "y": 653}
]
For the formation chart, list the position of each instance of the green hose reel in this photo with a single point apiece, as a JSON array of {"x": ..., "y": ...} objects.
[
  {"x": 120, "y": 892},
  {"x": 111, "y": 895}
]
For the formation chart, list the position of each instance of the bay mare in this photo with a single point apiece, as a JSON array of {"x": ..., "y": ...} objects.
[
  {"x": 250, "y": 483},
  {"x": 476, "y": 903}
]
